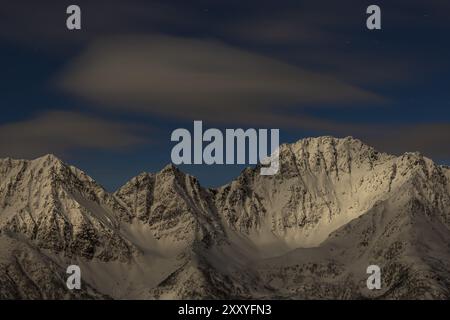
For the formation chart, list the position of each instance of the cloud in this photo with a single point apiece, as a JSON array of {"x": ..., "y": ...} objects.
[
  {"x": 198, "y": 78},
  {"x": 60, "y": 132}
]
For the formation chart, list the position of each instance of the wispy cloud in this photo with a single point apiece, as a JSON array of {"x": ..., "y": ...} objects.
[
  {"x": 192, "y": 78},
  {"x": 62, "y": 132}
]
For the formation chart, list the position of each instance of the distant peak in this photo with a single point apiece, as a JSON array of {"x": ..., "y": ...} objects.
[
  {"x": 48, "y": 161},
  {"x": 49, "y": 156},
  {"x": 170, "y": 168},
  {"x": 45, "y": 160},
  {"x": 329, "y": 141}
]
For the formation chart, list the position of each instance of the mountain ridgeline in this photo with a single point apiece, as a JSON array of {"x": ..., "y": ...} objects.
[{"x": 335, "y": 207}]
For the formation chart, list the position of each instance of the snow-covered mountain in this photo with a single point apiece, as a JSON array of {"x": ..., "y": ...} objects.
[
  {"x": 62, "y": 209},
  {"x": 310, "y": 231}
]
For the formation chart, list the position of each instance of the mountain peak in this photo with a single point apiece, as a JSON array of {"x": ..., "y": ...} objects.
[
  {"x": 171, "y": 171},
  {"x": 49, "y": 160},
  {"x": 332, "y": 141},
  {"x": 170, "y": 168},
  {"x": 49, "y": 156}
]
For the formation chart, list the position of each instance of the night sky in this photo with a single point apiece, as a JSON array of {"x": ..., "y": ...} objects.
[{"x": 107, "y": 97}]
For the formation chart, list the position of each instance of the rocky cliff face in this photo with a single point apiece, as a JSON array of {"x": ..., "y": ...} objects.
[
  {"x": 60, "y": 208},
  {"x": 399, "y": 234},
  {"x": 323, "y": 184},
  {"x": 336, "y": 207},
  {"x": 174, "y": 206}
]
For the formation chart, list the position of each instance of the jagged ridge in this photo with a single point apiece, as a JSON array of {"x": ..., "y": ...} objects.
[{"x": 163, "y": 235}]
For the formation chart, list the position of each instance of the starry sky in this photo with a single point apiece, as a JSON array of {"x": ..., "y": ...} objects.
[{"x": 107, "y": 97}]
